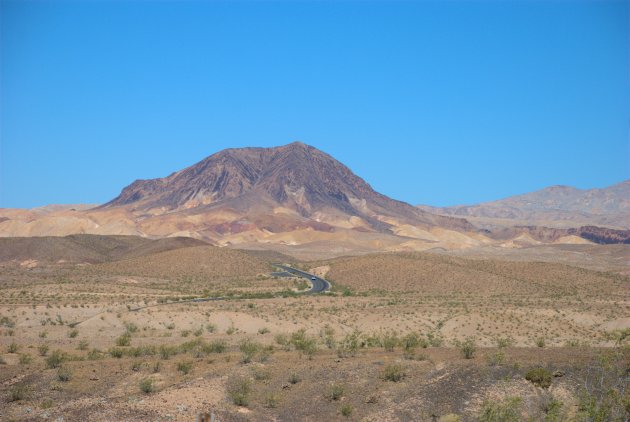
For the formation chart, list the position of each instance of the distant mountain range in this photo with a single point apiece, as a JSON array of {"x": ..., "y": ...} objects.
[
  {"x": 555, "y": 206},
  {"x": 297, "y": 198}
]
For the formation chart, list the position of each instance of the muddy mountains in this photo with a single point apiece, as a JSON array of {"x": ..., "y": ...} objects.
[{"x": 294, "y": 199}]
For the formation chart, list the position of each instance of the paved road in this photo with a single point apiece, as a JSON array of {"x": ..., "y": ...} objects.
[{"x": 319, "y": 284}]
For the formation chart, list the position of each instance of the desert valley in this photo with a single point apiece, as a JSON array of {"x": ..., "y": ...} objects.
[{"x": 168, "y": 303}]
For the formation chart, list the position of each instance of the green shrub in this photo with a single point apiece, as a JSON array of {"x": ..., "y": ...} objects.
[
  {"x": 25, "y": 359},
  {"x": 94, "y": 354},
  {"x": 410, "y": 342},
  {"x": 468, "y": 348},
  {"x": 540, "y": 342},
  {"x": 503, "y": 342},
  {"x": 553, "y": 410},
  {"x": 507, "y": 410},
  {"x": 335, "y": 391},
  {"x": 55, "y": 359},
  {"x": 116, "y": 353},
  {"x": 64, "y": 374},
  {"x": 18, "y": 392},
  {"x": 305, "y": 344},
  {"x": 350, "y": 344},
  {"x": 238, "y": 390},
  {"x": 346, "y": 410},
  {"x": 184, "y": 367},
  {"x": 393, "y": 372},
  {"x": 124, "y": 340},
  {"x": 539, "y": 376},
  {"x": 249, "y": 349},
  {"x": 496, "y": 358},
  {"x": 389, "y": 341},
  {"x": 271, "y": 401},
  {"x": 147, "y": 386},
  {"x": 217, "y": 346}
]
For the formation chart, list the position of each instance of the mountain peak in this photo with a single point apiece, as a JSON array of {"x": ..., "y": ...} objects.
[{"x": 295, "y": 177}]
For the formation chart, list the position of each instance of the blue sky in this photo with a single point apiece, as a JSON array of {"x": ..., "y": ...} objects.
[{"x": 438, "y": 103}]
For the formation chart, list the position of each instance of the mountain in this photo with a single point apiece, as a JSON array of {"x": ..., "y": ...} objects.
[
  {"x": 555, "y": 206},
  {"x": 297, "y": 177},
  {"x": 290, "y": 197}
]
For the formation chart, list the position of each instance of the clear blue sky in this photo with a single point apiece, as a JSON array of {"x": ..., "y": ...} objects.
[{"x": 438, "y": 103}]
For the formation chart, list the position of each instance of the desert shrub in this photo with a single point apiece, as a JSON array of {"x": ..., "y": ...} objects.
[
  {"x": 238, "y": 390},
  {"x": 124, "y": 340},
  {"x": 249, "y": 349},
  {"x": 131, "y": 327},
  {"x": 435, "y": 340},
  {"x": 393, "y": 372},
  {"x": 410, "y": 342},
  {"x": 2, "y": 361},
  {"x": 540, "y": 342},
  {"x": 147, "y": 386},
  {"x": 185, "y": 333},
  {"x": 198, "y": 332},
  {"x": 13, "y": 348},
  {"x": 73, "y": 333},
  {"x": 496, "y": 358},
  {"x": 283, "y": 340},
  {"x": 55, "y": 359},
  {"x": 305, "y": 344},
  {"x": 539, "y": 376},
  {"x": 552, "y": 410},
  {"x": 271, "y": 401},
  {"x": 265, "y": 352},
  {"x": 18, "y": 392},
  {"x": 47, "y": 404},
  {"x": 335, "y": 391},
  {"x": 217, "y": 346},
  {"x": 116, "y": 353},
  {"x": 294, "y": 378},
  {"x": 170, "y": 326},
  {"x": 83, "y": 345},
  {"x": 136, "y": 366},
  {"x": 184, "y": 367},
  {"x": 166, "y": 352},
  {"x": 64, "y": 374},
  {"x": 507, "y": 410},
  {"x": 94, "y": 354},
  {"x": 605, "y": 395},
  {"x": 211, "y": 328},
  {"x": 503, "y": 342},
  {"x": 451, "y": 417},
  {"x": 25, "y": 359},
  {"x": 346, "y": 410},
  {"x": 350, "y": 344},
  {"x": 263, "y": 330},
  {"x": 261, "y": 374},
  {"x": 389, "y": 341},
  {"x": 468, "y": 348}
]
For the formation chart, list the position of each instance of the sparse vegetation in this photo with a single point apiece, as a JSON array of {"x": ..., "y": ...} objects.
[
  {"x": 468, "y": 348},
  {"x": 393, "y": 372},
  {"x": 147, "y": 386},
  {"x": 239, "y": 389},
  {"x": 539, "y": 376}
]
